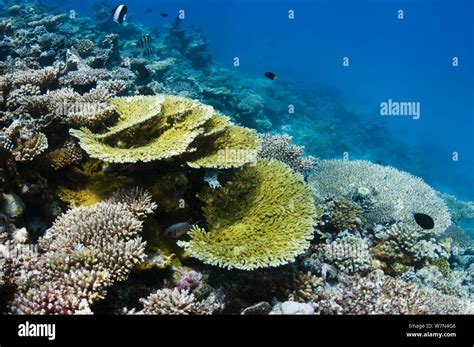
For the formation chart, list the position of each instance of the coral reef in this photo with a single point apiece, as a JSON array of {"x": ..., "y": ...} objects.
[
  {"x": 174, "y": 130},
  {"x": 404, "y": 244},
  {"x": 263, "y": 217},
  {"x": 84, "y": 252}
]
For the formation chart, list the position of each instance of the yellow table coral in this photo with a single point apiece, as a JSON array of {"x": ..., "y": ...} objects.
[
  {"x": 161, "y": 127},
  {"x": 264, "y": 217}
]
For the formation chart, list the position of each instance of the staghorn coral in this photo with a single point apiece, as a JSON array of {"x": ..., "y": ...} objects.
[
  {"x": 84, "y": 252},
  {"x": 349, "y": 253},
  {"x": 279, "y": 147},
  {"x": 438, "y": 303},
  {"x": 19, "y": 97},
  {"x": 395, "y": 194},
  {"x": 64, "y": 157},
  {"x": 138, "y": 200},
  {"x": 345, "y": 215},
  {"x": 262, "y": 218},
  {"x": 162, "y": 127}
]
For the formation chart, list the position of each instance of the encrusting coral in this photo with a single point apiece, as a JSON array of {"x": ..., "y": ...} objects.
[
  {"x": 262, "y": 218},
  {"x": 163, "y": 127}
]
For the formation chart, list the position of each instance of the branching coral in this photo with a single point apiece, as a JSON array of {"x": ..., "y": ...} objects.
[
  {"x": 263, "y": 217},
  {"x": 349, "y": 253},
  {"x": 85, "y": 47},
  {"x": 84, "y": 252},
  {"x": 279, "y": 147},
  {"x": 345, "y": 215},
  {"x": 174, "y": 302},
  {"x": 163, "y": 127},
  {"x": 378, "y": 295},
  {"x": 305, "y": 287},
  {"x": 43, "y": 78},
  {"x": 30, "y": 148},
  {"x": 64, "y": 157},
  {"x": 408, "y": 245},
  {"x": 138, "y": 200},
  {"x": 395, "y": 194}
]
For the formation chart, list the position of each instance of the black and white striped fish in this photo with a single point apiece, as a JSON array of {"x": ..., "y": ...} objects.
[
  {"x": 145, "y": 41},
  {"x": 148, "y": 51},
  {"x": 120, "y": 14}
]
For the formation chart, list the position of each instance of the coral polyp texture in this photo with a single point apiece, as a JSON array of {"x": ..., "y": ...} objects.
[
  {"x": 393, "y": 195},
  {"x": 280, "y": 147},
  {"x": 174, "y": 302},
  {"x": 263, "y": 217},
  {"x": 85, "y": 251},
  {"x": 163, "y": 127}
]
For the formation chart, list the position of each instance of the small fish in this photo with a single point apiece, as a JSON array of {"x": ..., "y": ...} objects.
[
  {"x": 148, "y": 51},
  {"x": 162, "y": 14},
  {"x": 271, "y": 75},
  {"x": 423, "y": 220},
  {"x": 120, "y": 14},
  {"x": 177, "y": 230},
  {"x": 144, "y": 41},
  {"x": 149, "y": 10},
  {"x": 378, "y": 162}
]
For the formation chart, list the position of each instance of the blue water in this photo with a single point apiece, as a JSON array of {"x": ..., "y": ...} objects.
[{"x": 407, "y": 60}]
